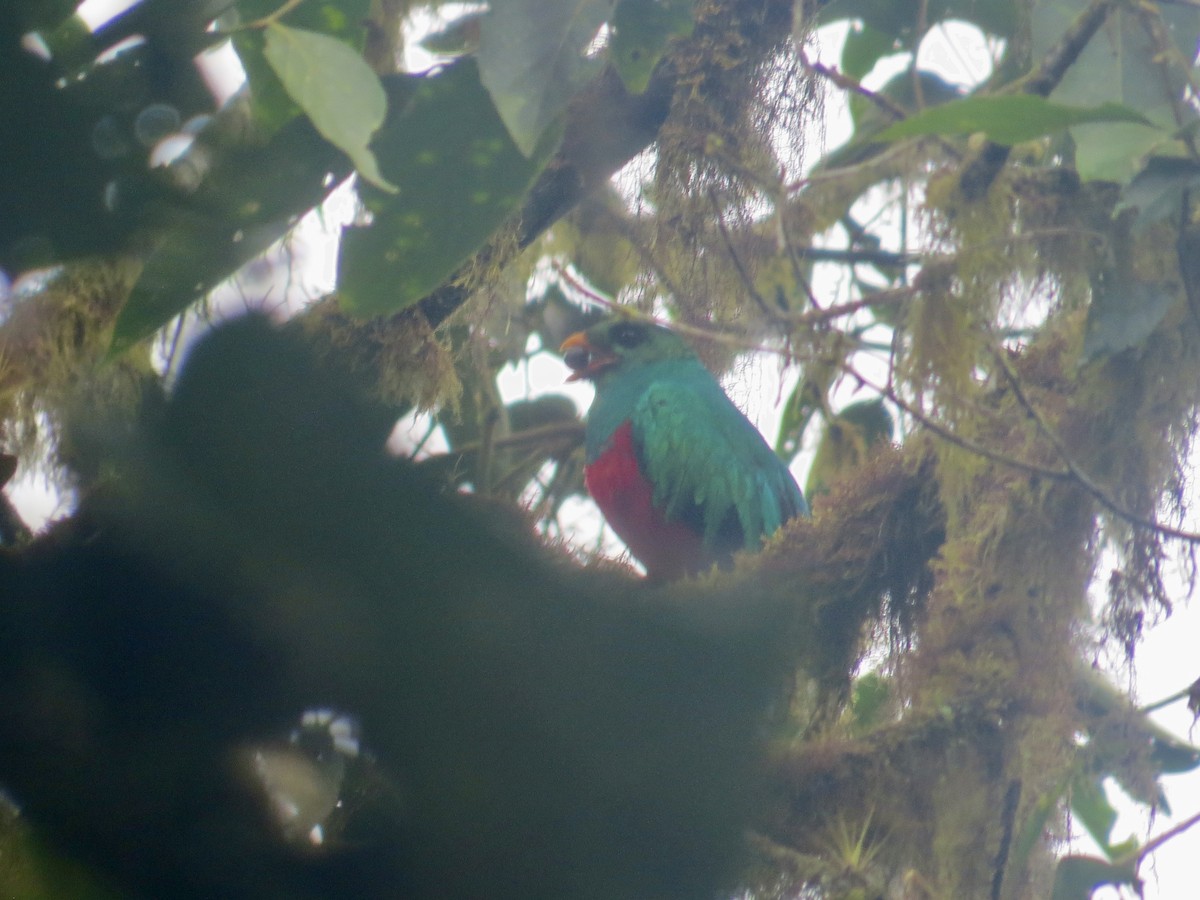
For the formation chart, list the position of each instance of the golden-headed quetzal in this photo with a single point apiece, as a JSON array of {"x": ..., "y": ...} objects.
[{"x": 679, "y": 473}]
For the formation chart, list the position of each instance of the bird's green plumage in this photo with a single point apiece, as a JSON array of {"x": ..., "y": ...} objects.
[{"x": 706, "y": 463}]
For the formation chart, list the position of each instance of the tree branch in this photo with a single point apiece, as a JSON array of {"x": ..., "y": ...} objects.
[
  {"x": 1089, "y": 484},
  {"x": 981, "y": 171}
]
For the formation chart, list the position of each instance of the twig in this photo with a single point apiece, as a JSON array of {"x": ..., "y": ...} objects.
[
  {"x": 946, "y": 434},
  {"x": 737, "y": 262},
  {"x": 890, "y": 297},
  {"x": 889, "y": 107},
  {"x": 1184, "y": 694},
  {"x": 266, "y": 21},
  {"x": 1084, "y": 480},
  {"x": 1150, "y": 846},
  {"x": 978, "y": 175},
  {"x": 575, "y": 284}
]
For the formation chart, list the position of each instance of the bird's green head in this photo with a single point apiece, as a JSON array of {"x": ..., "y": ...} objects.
[{"x": 620, "y": 344}]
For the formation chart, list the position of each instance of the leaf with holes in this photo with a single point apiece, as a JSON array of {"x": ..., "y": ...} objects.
[{"x": 641, "y": 30}]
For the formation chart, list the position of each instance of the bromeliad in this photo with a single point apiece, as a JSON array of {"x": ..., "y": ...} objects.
[{"x": 679, "y": 473}]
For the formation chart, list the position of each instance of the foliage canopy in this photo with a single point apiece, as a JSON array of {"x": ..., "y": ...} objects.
[{"x": 1001, "y": 353}]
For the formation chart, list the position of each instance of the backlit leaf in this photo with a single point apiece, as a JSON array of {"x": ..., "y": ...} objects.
[
  {"x": 641, "y": 30},
  {"x": 336, "y": 89},
  {"x": 533, "y": 58},
  {"x": 1077, "y": 877}
]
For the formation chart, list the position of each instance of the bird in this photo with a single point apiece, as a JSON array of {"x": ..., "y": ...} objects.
[{"x": 680, "y": 474}]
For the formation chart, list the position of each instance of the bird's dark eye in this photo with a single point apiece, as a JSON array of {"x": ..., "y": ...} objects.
[{"x": 627, "y": 335}]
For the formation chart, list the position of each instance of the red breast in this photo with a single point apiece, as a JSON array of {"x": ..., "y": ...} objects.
[{"x": 615, "y": 481}]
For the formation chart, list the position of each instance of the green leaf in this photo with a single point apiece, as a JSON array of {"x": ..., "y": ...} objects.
[
  {"x": 196, "y": 254},
  {"x": 1077, "y": 877},
  {"x": 1008, "y": 119},
  {"x": 1115, "y": 151},
  {"x": 1157, "y": 190},
  {"x": 249, "y": 198},
  {"x": 1091, "y": 808},
  {"x": 869, "y": 702},
  {"x": 1123, "y": 315},
  {"x": 336, "y": 89},
  {"x": 870, "y": 120},
  {"x": 641, "y": 30},
  {"x": 460, "y": 177},
  {"x": 532, "y": 60},
  {"x": 864, "y": 47},
  {"x": 1122, "y": 63}
]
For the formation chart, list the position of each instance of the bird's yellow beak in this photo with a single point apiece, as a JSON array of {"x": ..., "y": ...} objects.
[{"x": 582, "y": 358}]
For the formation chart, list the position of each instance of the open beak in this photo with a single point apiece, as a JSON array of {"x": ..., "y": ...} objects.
[{"x": 582, "y": 358}]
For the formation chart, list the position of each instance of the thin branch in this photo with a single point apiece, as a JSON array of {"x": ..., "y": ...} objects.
[
  {"x": 1084, "y": 480},
  {"x": 1150, "y": 846},
  {"x": 977, "y": 176},
  {"x": 1184, "y": 694},
  {"x": 889, "y": 297},
  {"x": 747, "y": 282},
  {"x": 846, "y": 83},
  {"x": 575, "y": 284},
  {"x": 794, "y": 255},
  {"x": 890, "y": 108},
  {"x": 951, "y": 437}
]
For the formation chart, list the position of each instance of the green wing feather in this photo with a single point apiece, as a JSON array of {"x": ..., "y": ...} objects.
[{"x": 701, "y": 454}]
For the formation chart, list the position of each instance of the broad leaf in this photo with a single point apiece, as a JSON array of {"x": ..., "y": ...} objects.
[
  {"x": 1091, "y": 808},
  {"x": 273, "y": 106},
  {"x": 1123, "y": 62},
  {"x": 641, "y": 30},
  {"x": 248, "y": 199},
  {"x": 1123, "y": 315},
  {"x": 1116, "y": 151},
  {"x": 532, "y": 60},
  {"x": 864, "y": 47},
  {"x": 1141, "y": 58},
  {"x": 1007, "y": 119},
  {"x": 336, "y": 89},
  {"x": 460, "y": 177},
  {"x": 1157, "y": 191},
  {"x": 1077, "y": 877}
]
